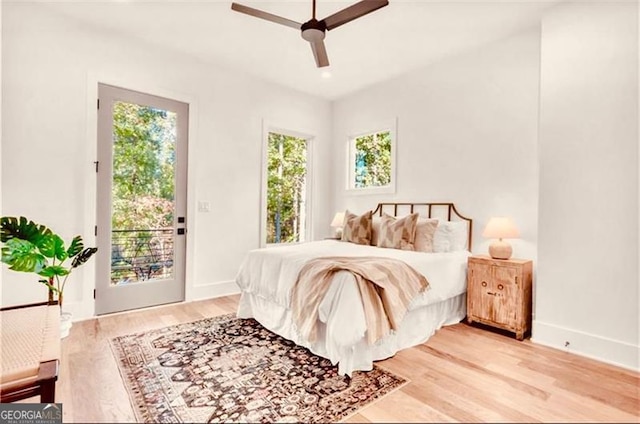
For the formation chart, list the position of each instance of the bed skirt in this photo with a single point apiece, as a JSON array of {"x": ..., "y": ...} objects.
[{"x": 418, "y": 325}]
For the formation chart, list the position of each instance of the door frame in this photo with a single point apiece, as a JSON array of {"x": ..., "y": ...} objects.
[{"x": 85, "y": 308}]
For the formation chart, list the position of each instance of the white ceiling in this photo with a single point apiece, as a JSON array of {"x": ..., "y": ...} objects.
[{"x": 398, "y": 38}]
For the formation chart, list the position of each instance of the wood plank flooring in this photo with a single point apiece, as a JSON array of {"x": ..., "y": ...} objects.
[{"x": 462, "y": 374}]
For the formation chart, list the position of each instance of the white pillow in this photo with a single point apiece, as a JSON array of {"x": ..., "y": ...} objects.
[{"x": 450, "y": 236}]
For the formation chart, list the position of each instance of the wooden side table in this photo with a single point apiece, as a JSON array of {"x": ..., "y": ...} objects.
[
  {"x": 30, "y": 336},
  {"x": 499, "y": 293}
]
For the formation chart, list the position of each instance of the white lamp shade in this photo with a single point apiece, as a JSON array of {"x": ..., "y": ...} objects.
[
  {"x": 338, "y": 219},
  {"x": 500, "y": 228}
]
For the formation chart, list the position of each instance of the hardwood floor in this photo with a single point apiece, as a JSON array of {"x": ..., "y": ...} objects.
[{"x": 462, "y": 373}]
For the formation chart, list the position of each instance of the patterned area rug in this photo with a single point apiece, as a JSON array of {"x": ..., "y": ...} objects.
[{"x": 229, "y": 369}]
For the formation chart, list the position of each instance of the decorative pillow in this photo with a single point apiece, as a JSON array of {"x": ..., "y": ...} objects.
[
  {"x": 450, "y": 236},
  {"x": 425, "y": 229},
  {"x": 357, "y": 228},
  {"x": 375, "y": 230},
  {"x": 397, "y": 233}
]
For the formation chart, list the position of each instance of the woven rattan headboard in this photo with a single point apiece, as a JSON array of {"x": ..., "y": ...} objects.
[{"x": 439, "y": 210}]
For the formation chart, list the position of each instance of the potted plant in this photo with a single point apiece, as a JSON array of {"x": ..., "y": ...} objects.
[{"x": 31, "y": 247}]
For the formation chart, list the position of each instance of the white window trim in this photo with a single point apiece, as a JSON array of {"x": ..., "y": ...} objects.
[
  {"x": 389, "y": 125},
  {"x": 268, "y": 127}
]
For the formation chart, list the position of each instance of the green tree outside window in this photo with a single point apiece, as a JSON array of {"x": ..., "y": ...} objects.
[
  {"x": 286, "y": 188},
  {"x": 143, "y": 192},
  {"x": 372, "y": 167}
]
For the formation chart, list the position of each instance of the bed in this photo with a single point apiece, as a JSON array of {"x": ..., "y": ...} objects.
[{"x": 267, "y": 276}]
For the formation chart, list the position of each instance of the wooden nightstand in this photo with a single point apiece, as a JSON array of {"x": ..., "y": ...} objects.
[{"x": 499, "y": 293}]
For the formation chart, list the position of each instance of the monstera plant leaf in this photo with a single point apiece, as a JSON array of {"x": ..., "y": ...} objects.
[
  {"x": 75, "y": 247},
  {"x": 52, "y": 246},
  {"x": 83, "y": 256},
  {"x": 50, "y": 271},
  {"x": 23, "y": 229},
  {"x": 49, "y": 285},
  {"x": 23, "y": 256}
]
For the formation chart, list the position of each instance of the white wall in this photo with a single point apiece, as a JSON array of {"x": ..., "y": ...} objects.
[
  {"x": 51, "y": 68},
  {"x": 467, "y": 133},
  {"x": 588, "y": 227}
]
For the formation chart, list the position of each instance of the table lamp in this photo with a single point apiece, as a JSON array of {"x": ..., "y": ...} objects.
[
  {"x": 500, "y": 228},
  {"x": 337, "y": 222}
]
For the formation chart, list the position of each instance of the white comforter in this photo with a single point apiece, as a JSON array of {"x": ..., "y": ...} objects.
[{"x": 267, "y": 276}]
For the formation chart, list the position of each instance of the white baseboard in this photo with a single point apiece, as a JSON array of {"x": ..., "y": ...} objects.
[
  {"x": 208, "y": 291},
  {"x": 205, "y": 291},
  {"x": 592, "y": 346}
]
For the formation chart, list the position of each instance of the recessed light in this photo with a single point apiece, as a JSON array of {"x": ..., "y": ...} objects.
[{"x": 325, "y": 74}]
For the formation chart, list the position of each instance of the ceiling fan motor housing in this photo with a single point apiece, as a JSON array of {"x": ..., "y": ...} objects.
[{"x": 314, "y": 30}]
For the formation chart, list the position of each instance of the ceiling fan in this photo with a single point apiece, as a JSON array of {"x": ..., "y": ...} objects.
[{"x": 313, "y": 30}]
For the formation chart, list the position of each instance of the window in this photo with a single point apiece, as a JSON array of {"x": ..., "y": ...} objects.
[
  {"x": 371, "y": 161},
  {"x": 286, "y": 188}
]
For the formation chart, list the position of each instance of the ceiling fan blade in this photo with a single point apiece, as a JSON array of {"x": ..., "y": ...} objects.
[
  {"x": 320, "y": 54},
  {"x": 353, "y": 12},
  {"x": 264, "y": 15}
]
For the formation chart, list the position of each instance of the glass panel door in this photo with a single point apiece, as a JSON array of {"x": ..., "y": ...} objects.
[{"x": 141, "y": 228}]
